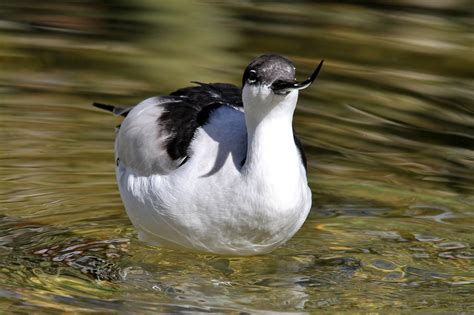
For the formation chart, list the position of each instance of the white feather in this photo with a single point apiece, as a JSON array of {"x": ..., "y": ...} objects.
[{"x": 212, "y": 203}]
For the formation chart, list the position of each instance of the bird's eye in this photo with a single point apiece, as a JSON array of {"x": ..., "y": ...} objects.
[{"x": 252, "y": 77}]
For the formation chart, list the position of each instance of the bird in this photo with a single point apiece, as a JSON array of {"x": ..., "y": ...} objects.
[{"x": 215, "y": 168}]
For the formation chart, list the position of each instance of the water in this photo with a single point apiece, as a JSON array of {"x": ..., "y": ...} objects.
[{"x": 388, "y": 129}]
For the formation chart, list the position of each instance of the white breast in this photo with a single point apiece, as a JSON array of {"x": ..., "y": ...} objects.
[{"x": 210, "y": 204}]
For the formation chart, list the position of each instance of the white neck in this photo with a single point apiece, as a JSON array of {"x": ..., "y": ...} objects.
[{"x": 272, "y": 156}]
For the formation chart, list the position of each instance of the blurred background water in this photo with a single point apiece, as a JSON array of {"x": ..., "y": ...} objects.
[{"x": 388, "y": 130}]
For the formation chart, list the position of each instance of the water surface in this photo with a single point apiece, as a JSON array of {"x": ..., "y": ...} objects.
[{"x": 388, "y": 129}]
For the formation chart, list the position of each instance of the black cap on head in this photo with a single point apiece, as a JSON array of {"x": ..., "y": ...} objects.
[{"x": 268, "y": 69}]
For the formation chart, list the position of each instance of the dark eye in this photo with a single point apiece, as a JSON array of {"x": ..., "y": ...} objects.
[{"x": 252, "y": 77}]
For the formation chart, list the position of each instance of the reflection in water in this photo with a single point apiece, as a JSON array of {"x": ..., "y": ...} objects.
[{"x": 388, "y": 131}]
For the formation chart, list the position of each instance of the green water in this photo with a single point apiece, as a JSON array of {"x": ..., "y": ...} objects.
[{"x": 388, "y": 129}]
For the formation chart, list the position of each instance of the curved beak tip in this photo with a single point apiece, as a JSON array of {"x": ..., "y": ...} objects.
[
  {"x": 316, "y": 71},
  {"x": 283, "y": 87}
]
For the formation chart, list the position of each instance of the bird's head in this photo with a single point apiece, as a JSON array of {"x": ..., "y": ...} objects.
[{"x": 269, "y": 82}]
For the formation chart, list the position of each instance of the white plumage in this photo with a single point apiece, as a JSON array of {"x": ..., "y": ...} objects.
[{"x": 241, "y": 189}]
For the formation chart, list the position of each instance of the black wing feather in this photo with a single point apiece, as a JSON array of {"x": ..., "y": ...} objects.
[
  {"x": 181, "y": 119},
  {"x": 188, "y": 109}
]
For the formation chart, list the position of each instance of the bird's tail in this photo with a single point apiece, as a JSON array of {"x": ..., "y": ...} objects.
[{"x": 116, "y": 110}]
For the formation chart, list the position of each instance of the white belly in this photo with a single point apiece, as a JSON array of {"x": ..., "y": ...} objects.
[
  {"x": 208, "y": 218},
  {"x": 210, "y": 204}
]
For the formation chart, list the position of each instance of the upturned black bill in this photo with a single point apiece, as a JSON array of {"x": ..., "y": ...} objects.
[{"x": 284, "y": 87}]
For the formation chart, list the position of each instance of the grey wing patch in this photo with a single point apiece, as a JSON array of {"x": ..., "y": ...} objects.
[{"x": 141, "y": 141}]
